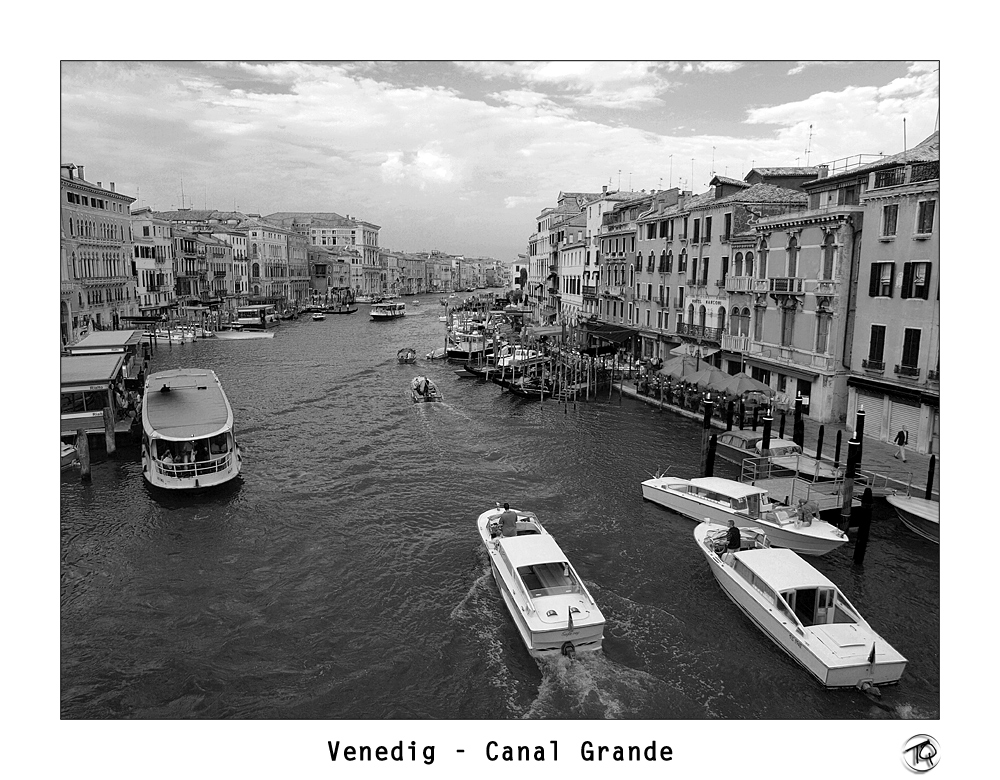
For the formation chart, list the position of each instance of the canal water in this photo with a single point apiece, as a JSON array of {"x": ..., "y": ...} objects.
[{"x": 342, "y": 578}]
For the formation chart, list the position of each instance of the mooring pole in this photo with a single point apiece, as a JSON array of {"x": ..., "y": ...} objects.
[
  {"x": 819, "y": 444},
  {"x": 836, "y": 450},
  {"x": 930, "y": 478},
  {"x": 756, "y": 412},
  {"x": 83, "y": 453},
  {"x": 710, "y": 460},
  {"x": 859, "y": 427},
  {"x": 742, "y": 413},
  {"x": 852, "y": 465},
  {"x": 706, "y": 429},
  {"x": 781, "y": 426},
  {"x": 729, "y": 415},
  {"x": 768, "y": 421},
  {"x": 864, "y": 525},
  {"x": 109, "y": 430}
]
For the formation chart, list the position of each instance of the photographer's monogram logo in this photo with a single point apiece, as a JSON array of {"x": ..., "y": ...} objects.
[{"x": 920, "y": 753}]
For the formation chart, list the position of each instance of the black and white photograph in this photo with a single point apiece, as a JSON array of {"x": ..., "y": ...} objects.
[{"x": 458, "y": 415}]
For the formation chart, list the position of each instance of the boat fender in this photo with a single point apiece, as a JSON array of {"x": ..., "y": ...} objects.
[{"x": 568, "y": 649}]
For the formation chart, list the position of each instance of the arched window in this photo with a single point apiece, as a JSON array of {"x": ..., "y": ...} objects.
[
  {"x": 738, "y": 264},
  {"x": 690, "y": 314},
  {"x": 256, "y": 270},
  {"x": 663, "y": 260},
  {"x": 734, "y": 321},
  {"x": 762, "y": 264},
  {"x": 721, "y": 324},
  {"x": 829, "y": 250},
  {"x": 745, "y": 322},
  {"x": 670, "y": 261},
  {"x": 631, "y": 275},
  {"x": 702, "y": 313},
  {"x": 792, "y": 255},
  {"x": 748, "y": 268}
]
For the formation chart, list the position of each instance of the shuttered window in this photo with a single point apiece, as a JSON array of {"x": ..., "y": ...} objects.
[
  {"x": 876, "y": 344},
  {"x": 916, "y": 280},
  {"x": 911, "y": 347},
  {"x": 880, "y": 282}
]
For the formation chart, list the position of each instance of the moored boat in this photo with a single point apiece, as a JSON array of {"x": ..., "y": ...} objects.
[
  {"x": 437, "y": 354},
  {"x": 800, "y": 610},
  {"x": 423, "y": 390},
  {"x": 551, "y": 607},
  {"x": 407, "y": 355},
  {"x": 68, "y": 455},
  {"x": 318, "y": 315},
  {"x": 243, "y": 335},
  {"x": 786, "y": 454},
  {"x": 188, "y": 440},
  {"x": 718, "y": 500},
  {"x": 920, "y": 515}
]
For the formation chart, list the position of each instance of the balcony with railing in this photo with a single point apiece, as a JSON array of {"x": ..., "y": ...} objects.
[
  {"x": 735, "y": 343},
  {"x": 699, "y": 332},
  {"x": 220, "y": 274},
  {"x": 873, "y": 365},
  {"x": 926, "y": 171},
  {"x": 787, "y": 285},
  {"x": 890, "y": 178},
  {"x": 589, "y": 292},
  {"x": 910, "y": 372},
  {"x": 746, "y": 284}
]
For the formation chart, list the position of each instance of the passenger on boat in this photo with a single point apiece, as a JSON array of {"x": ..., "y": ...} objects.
[
  {"x": 807, "y": 511},
  {"x": 508, "y": 521},
  {"x": 217, "y": 445},
  {"x": 167, "y": 457},
  {"x": 201, "y": 450},
  {"x": 726, "y": 549},
  {"x": 187, "y": 452}
]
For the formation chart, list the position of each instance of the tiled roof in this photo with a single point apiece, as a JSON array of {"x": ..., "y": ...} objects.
[
  {"x": 765, "y": 193},
  {"x": 727, "y": 180},
  {"x": 177, "y": 215},
  {"x": 928, "y": 150},
  {"x": 792, "y": 171}
]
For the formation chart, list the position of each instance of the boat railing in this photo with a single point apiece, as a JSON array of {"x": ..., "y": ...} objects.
[{"x": 196, "y": 469}]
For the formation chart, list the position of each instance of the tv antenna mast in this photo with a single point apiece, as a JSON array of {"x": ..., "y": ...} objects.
[{"x": 809, "y": 145}]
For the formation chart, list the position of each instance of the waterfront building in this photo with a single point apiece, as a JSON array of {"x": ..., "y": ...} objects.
[
  {"x": 97, "y": 282},
  {"x": 617, "y": 236},
  {"x": 330, "y": 271},
  {"x": 237, "y": 239},
  {"x": 267, "y": 257},
  {"x": 797, "y": 292},
  {"x": 153, "y": 253},
  {"x": 894, "y": 355},
  {"x": 567, "y": 286},
  {"x": 593, "y": 283},
  {"x": 437, "y": 267}
]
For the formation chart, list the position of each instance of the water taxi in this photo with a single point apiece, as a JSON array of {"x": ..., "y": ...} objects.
[
  {"x": 387, "y": 311},
  {"x": 717, "y": 499},
  {"x": 800, "y": 610},
  {"x": 259, "y": 316},
  {"x": 318, "y": 315},
  {"x": 920, "y": 515},
  {"x": 551, "y": 607},
  {"x": 187, "y": 431}
]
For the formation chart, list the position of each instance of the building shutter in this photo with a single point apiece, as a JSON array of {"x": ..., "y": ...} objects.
[
  {"x": 907, "y": 280},
  {"x": 874, "y": 406},
  {"x": 926, "y": 290},
  {"x": 874, "y": 280}
]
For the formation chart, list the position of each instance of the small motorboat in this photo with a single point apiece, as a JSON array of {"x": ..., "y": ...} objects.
[
  {"x": 785, "y": 454},
  {"x": 318, "y": 315},
  {"x": 423, "y": 390},
  {"x": 407, "y": 355},
  {"x": 437, "y": 354},
  {"x": 920, "y": 515},
  {"x": 551, "y": 607},
  {"x": 68, "y": 455},
  {"x": 718, "y": 500},
  {"x": 800, "y": 610}
]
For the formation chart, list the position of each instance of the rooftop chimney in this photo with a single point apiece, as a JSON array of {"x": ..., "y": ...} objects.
[
  {"x": 604, "y": 189},
  {"x": 824, "y": 171},
  {"x": 112, "y": 186},
  {"x": 79, "y": 169},
  {"x": 99, "y": 184}
]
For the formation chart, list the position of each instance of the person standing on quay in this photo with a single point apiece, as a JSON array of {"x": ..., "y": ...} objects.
[{"x": 901, "y": 440}]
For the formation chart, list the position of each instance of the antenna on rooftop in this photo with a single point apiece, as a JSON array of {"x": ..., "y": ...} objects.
[
  {"x": 713, "y": 160},
  {"x": 809, "y": 145},
  {"x": 182, "y": 193}
]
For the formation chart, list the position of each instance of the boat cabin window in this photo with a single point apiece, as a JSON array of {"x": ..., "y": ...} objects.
[
  {"x": 755, "y": 582},
  {"x": 753, "y": 505},
  {"x": 548, "y": 579},
  {"x": 816, "y": 606},
  {"x": 86, "y": 401}
]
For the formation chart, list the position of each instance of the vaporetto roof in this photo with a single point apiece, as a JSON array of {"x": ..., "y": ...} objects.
[{"x": 193, "y": 407}]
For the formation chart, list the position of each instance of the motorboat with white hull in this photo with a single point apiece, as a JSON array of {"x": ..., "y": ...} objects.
[
  {"x": 188, "y": 440},
  {"x": 800, "y": 610},
  {"x": 920, "y": 515},
  {"x": 718, "y": 500},
  {"x": 551, "y": 607}
]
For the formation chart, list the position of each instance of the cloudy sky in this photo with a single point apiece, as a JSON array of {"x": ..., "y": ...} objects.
[{"x": 462, "y": 156}]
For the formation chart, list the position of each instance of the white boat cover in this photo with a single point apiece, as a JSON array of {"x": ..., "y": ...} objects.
[
  {"x": 532, "y": 549},
  {"x": 194, "y": 408},
  {"x": 783, "y": 569}
]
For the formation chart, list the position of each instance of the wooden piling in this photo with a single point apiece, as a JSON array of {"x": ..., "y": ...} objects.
[
  {"x": 859, "y": 428},
  {"x": 766, "y": 441},
  {"x": 706, "y": 429},
  {"x": 781, "y": 426},
  {"x": 729, "y": 415},
  {"x": 819, "y": 444},
  {"x": 756, "y": 412},
  {"x": 848, "y": 488},
  {"x": 710, "y": 458},
  {"x": 742, "y": 413},
  {"x": 864, "y": 525},
  {"x": 836, "y": 451},
  {"x": 109, "y": 430},
  {"x": 930, "y": 477},
  {"x": 83, "y": 453},
  {"x": 798, "y": 429}
]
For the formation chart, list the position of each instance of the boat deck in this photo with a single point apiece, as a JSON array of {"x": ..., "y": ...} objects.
[{"x": 827, "y": 495}]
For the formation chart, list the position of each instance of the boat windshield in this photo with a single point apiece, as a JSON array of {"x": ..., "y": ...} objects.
[
  {"x": 753, "y": 505},
  {"x": 817, "y": 606},
  {"x": 548, "y": 579}
]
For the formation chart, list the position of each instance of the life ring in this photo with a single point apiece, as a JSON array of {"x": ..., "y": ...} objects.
[{"x": 568, "y": 649}]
